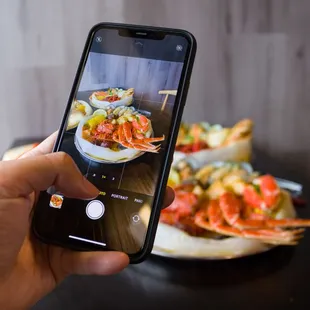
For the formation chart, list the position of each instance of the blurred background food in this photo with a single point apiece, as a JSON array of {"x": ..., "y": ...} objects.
[
  {"x": 252, "y": 62},
  {"x": 205, "y": 143}
]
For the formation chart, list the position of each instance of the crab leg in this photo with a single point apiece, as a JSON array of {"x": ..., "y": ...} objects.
[
  {"x": 148, "y": 140},
  {"x": 142, "y": 148},
  {"x": 115, "y": 136},
  {"x": 123, "y": 141},
  {"x": 142, "y": 143},
  {"x": 137, "y": 134},
  {"x": 200, "y": 221},
  {"x": 231, "y": 207},
  {"x": 267, "y": 235},
  {"x": 127, "y": 131},
  {"x": 124, "y": 134},
  {"x": 141, "y": 123},
  {"x": 217, "y": 223},
  {"x": 287, "y": 223},
  {"x": 121, "y": 134}
]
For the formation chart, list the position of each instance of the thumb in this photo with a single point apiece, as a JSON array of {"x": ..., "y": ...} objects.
[
  {"x": 22, "y": 177},
  {"x": 65, "y": 262}
]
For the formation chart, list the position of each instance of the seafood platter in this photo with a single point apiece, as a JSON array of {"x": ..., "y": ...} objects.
[
  {"x": 56, "y": 201},
  {"x": 223, "y": 208},
  {"x": 109, "y": 129},
  {"x": 116, "y": 96}
]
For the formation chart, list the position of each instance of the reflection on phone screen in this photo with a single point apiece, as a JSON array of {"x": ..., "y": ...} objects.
[{"x": 116, "y": 132}]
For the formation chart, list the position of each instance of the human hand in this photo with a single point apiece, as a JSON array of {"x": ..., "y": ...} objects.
[{"x": 29, "y": 269}]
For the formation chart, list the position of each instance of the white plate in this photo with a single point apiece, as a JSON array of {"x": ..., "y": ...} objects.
[
  {"x": 101, "y": 154},
  {"x": 104, "y": 104},
  {"x": 240, "y": 150},
  {"x": 102, "y": 161}
]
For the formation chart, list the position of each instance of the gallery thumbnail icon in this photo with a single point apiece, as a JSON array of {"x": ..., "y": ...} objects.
[{"x": 56, "y": 201}]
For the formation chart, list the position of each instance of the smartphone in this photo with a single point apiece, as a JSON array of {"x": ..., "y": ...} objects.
[{"x": 120, "y": 127}]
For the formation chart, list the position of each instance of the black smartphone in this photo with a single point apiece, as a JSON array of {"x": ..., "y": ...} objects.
[{"x": 120, "y": 127}]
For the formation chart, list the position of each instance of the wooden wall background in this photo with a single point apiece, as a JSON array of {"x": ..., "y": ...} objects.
[
  {"x": 146, "y": 76},
  {"x": 252, "y": 61}
]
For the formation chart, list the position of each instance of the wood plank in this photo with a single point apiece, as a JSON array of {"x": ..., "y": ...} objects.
[{"x": 252, "y": 60}]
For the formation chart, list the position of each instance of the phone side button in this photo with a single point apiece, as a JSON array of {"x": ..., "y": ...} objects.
[
  {"x": 95, "y": 209},
  {"x": 186, "y": 92}
]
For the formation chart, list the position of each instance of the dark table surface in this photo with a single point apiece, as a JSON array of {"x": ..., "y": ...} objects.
[{"x": 278, "y": 279}]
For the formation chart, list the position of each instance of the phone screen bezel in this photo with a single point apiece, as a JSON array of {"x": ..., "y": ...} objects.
[{"x": 171, "y": 138}]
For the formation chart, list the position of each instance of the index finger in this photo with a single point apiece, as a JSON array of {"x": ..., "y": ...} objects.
[{"x": 22, "y": 177}]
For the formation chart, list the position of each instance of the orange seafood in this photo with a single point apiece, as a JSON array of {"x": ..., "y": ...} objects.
[
  {"x": 215, "y": 217},
  {"x": 233, "y": 207},
  {"x": 56, "y": 200},
  {"x": 263, "y": 194},
  {"x": 105, "y": 96},
  {"x": 130, "y": 131},
  {"x": 194, "y": 138},
  {"x": 249, "y": 215},
  {"x": 181, "y": 212},
  {"x": 112, "y": 94},
  {"x": 237, "y": 213}
]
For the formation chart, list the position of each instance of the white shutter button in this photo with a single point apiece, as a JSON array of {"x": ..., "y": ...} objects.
[{"x": 95, "y": 209}]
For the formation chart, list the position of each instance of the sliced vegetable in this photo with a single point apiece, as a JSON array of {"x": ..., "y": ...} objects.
[
  {"x": 94, "y": 121},
  {"x": 101, "y": 112}
]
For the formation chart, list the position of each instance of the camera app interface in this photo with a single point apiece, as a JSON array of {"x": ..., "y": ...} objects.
[{"x": 116, "y": 132}]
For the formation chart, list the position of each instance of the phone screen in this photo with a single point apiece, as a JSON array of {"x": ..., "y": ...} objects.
[{"x": 116, "y": 132}]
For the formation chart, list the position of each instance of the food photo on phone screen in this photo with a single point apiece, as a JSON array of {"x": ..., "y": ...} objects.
[{"x": 120, "y": 119}]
